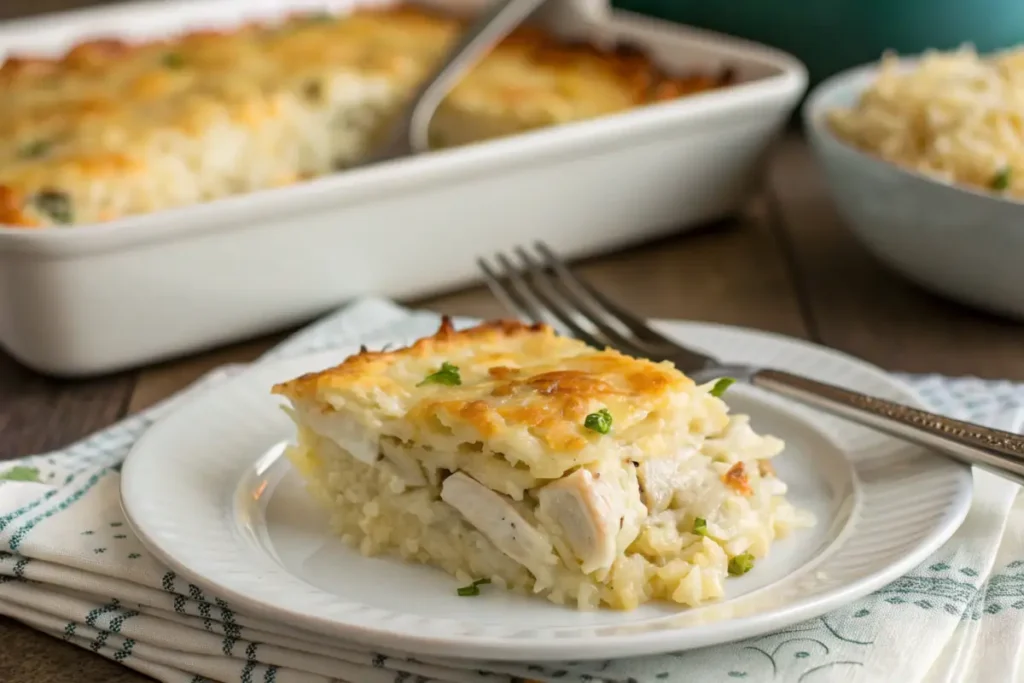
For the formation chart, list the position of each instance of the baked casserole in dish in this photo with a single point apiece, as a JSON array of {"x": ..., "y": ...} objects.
[
  {"x": 505, "y": 454},
  {"x": 148, "y": 283},
  {"x": 115, "y": 129}
]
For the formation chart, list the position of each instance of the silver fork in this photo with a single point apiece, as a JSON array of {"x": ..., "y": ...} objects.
[{"x": 538, "y": 286}]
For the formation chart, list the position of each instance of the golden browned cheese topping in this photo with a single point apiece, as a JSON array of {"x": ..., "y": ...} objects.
[
  {"x": 554, "y": 400},
  {"x": 520, "y": 390},
  {"x": 736, "y": 479},
  {"x": 113, "y": 129}
]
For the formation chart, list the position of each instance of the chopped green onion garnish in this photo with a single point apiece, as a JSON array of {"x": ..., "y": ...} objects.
[
  {"x": 34, "y": 150},
  {"x": 721, "y": 385},
  {"x": 700, "y": 526},
  {"x": 447, "y": 375},
  {"x": 1001, "y": 180},
  {"x": 600, "y": 422},
  {"x": 473, "y": 588},
  {"x": 173, "y": 60},
  {"x": 21, "y": 473},
  {"x": 56, "y": 205},
  {"x": 741, "y": 564}
]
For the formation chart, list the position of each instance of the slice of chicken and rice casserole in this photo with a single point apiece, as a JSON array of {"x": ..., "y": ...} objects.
[{"x": 509, "y": 455}]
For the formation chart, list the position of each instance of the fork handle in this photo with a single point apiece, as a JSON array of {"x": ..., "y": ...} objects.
[{"x": 992, "y": 449}]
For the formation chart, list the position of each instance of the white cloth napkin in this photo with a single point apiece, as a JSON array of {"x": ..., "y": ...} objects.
[{"x": 72, "y": 568}]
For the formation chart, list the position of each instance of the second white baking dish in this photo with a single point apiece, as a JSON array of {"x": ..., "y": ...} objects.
[{"x": 94, "y": 299}]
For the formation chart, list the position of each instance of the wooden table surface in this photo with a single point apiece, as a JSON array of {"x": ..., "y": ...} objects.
[{"x": 789, "y": 266}]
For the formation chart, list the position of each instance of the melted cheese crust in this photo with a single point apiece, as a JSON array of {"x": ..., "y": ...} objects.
[
  {"x": 524, "y": 396},
  {"x": 112, "y": 129}
]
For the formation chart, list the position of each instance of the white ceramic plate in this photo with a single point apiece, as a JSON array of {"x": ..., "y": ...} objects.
[{"x": 206, "y": 490}]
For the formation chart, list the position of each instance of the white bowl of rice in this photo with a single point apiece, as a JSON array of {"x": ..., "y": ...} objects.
[{"x": 925, "y": 159}]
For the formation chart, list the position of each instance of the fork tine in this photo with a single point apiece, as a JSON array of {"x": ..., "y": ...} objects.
[
  {"x": 555, "y": 308},
  {"x": 565, "y": 299},
  {"x": 509, "y": 298},
  {"x": 596, "y": 300},
  {"x": 521, "y": 287}
]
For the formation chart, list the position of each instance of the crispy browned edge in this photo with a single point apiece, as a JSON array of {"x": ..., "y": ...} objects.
[
  {"x": 648, "y": 82},
  {"x": 305, "y": 386}
]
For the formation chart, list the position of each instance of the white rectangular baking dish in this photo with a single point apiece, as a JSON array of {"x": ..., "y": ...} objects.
[{"x": 100, "y": 298}]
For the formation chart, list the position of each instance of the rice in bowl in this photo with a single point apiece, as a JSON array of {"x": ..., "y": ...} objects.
[{"x": 955, "y": 116}]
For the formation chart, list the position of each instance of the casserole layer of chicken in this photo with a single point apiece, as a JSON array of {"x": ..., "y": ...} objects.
[{"x": 509, "y": 454}]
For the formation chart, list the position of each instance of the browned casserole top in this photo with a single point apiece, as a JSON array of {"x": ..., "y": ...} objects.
[{"x": 113, "y": 129}]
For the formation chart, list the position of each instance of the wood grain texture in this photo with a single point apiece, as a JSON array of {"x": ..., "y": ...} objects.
[
  {"x": 857, "y": 305},
  {"x": 160, "y": 381},
  {"x": 28, "y": 656},
  {"x": 38, "y": 414},
  {"x": 14, "y": 9}
]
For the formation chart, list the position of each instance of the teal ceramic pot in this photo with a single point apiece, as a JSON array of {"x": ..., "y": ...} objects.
[{"x": 832, "y": 35}]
